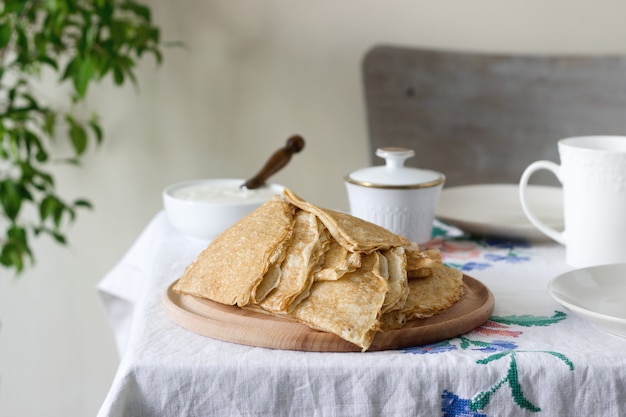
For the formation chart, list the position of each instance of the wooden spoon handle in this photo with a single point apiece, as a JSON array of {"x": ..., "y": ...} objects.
[{"x": 276, "y": 162}]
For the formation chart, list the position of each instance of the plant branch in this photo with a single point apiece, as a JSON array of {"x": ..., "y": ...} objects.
[{"x": 82, "y": 42}]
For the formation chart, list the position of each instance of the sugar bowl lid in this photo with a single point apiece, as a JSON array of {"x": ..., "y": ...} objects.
[{"x": 394, "y": 174}]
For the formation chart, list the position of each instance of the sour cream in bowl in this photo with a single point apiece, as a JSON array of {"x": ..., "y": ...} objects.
[{"x": 205, "y": 208}]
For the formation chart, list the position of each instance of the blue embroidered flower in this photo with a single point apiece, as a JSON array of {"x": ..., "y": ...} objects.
[
  {"x": 430, "y": 349},
  {"x": 453, "y": 406},
  {"x": 498, "y": 346},
  {"x": 507, "y": 244},
  {"x": 511, "y": 259},
  {"x": 474, "y": 266}
]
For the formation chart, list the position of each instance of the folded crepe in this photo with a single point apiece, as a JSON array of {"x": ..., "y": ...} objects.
[
  {"x": 427, "y": 297},
  {"x": 336, "y": 261},
  {"x": 295, "y": 271},
  {"x": 329, "y": 270},
  {"x": 231, "y": 268},
  {"x": 395, "y": 262},
  {"x": 351, "y": 232},
  {"x": 349, "y": 307},
  {"x": 419, "y": 264}
]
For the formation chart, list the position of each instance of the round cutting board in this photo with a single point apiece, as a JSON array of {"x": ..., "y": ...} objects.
[{"x": 236, "y": 325}]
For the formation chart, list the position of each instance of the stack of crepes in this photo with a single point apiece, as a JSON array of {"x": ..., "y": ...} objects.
[{"x": 329, "y": 270}]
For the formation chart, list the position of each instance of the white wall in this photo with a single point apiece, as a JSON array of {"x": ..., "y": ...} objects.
[{"x": 253, "y": 72}]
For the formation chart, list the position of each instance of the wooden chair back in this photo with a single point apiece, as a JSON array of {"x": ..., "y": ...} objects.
[{"x": 482, "y": 118}]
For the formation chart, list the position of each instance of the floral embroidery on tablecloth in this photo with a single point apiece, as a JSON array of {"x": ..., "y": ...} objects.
[
  {"x": 501, "y": 328},
  {"x": 477, "y": 254}
]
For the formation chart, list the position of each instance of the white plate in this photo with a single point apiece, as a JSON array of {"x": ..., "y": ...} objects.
[
  {"x": 495, "y": 210},
  {"x": 596, "y": 293}
]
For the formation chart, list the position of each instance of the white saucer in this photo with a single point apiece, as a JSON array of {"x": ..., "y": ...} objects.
[
  {"x": 495, "y": 210},
  {"x": 596, "y": 293}
]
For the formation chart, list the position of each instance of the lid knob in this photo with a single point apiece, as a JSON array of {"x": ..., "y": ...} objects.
[
  {"x": 394, "y": 174},
  {"x": 394, "y": 157}
]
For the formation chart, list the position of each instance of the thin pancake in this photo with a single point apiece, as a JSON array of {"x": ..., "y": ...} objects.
[
  {"x": 296, "y": 269},
  {"x": 348, "y": 307},
  {"x": 398, "y": 285},
  {"x": 336, "y": 261},
  {"x": 233, "y": 265},
  {"x": 427, "y": 296},
  {"x": 419, "y": 264},
  {"x": 353, "y": 233}
]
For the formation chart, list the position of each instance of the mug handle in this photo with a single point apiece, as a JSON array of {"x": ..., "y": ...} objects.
[{"x": 523, "y": 186}]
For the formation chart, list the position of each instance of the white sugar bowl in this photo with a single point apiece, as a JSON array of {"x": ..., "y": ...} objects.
[{"x": 398, "y": 198}]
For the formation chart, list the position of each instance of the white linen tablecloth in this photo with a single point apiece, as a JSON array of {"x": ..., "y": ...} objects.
[{"x": 532, "y": 358}]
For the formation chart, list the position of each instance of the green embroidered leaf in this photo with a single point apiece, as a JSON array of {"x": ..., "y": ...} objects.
[
  {"x": 464, "y": 343},
  {"x": 516, "y": 389},
  {"x": 439, "y": 231},
  {"x": 529, "y": 320},
  {"x": 480, "y": 401},
  {"x": 562, "y": 357},
  {"x": 493, "y": 357},
  {"x": 479, "y": 343},
  {"x": 467, "y": 343}
]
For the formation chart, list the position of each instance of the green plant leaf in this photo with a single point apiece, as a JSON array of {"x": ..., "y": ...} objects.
[
  {"x": 82, "y": 203},
  {"x": 49, "y": 122},
  {"x": 5, "y": 34},
  {"x": 14, "y": 145},
  {"x": 61, "y": 209},
  {"x": 11, "y": 196},
  {"x": 45, "y": 59},
  {"x": 157, "y": 54},
  {"x": 33, "y": 104},
  {"x": 12, "y": 255},
  {"x": 59, "y": 237},
  {"x": 97, "y": 129},
  {"x": 47, "y": 181},
  {"x": 78, "y": 136},
  {"x": 70, "y": 69},
  {"x": 47, "y": 207},
  {"x": 83, "y": 74},
  {"x": 118, "y": 76},
  {"x": 23, "y": 46},
  {"x": 138, "y": 9},
  {"x": 16, "y": 232}
]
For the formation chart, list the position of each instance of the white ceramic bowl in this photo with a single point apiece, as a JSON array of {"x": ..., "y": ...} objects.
[
  {"x": 205, "y": 208},
  {"x": 596, "y": 294}
]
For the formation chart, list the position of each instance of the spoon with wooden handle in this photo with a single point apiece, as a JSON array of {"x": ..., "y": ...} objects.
[{"x": 276, "y": 162}]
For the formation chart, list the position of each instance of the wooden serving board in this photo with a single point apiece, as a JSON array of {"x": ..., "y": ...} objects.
[{"x": 236, "y": 325}]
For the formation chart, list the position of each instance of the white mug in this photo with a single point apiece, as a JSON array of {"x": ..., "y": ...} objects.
[{"x": 593, "y": 176}]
